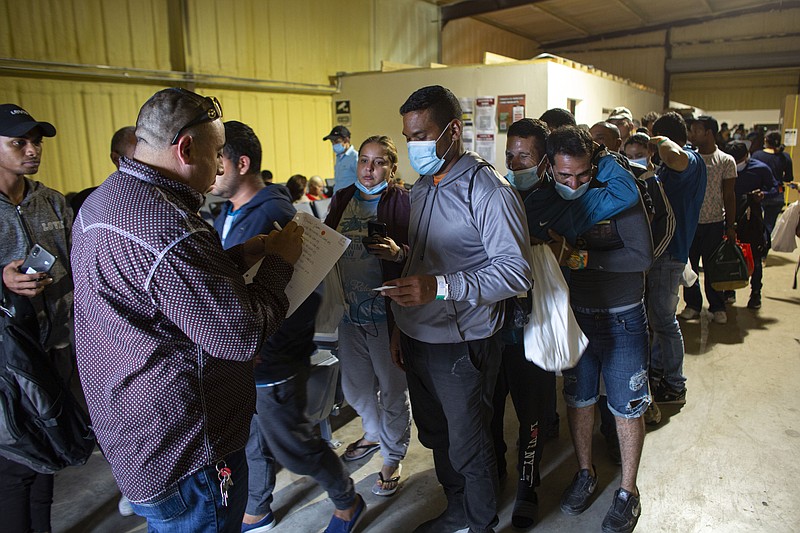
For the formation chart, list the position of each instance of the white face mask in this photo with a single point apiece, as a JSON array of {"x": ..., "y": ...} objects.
[
  {"x": 740, "y": 166},
  {"x": 640, "y": 161},
  {"x": 568, "y": 193}
]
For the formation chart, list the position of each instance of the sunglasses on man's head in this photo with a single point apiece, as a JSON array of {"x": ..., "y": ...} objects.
[{"x": 210, "y": 110}]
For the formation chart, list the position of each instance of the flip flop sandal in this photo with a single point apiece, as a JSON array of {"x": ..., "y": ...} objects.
[
  {"x": 366, "y": 450},
  {"x": 378, "y": 489}
]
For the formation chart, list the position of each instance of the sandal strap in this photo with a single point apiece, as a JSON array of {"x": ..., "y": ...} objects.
[{"x": 394, "y": 479}]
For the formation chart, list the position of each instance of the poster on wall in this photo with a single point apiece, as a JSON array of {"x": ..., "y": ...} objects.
[
  {"x": 484, "y": 145},
  {"x": 467, "y": 122},
  {"x": 484, "y": 114},
  {"x": 790, "y": 137},
  {"x": 510, "y": 108},
  {"x": 343, "y": 112}
]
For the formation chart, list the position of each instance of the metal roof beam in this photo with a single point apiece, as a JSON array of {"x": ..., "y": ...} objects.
[
  {"x": 471, "y": 8},
  {"x": 790, "y": 59}
]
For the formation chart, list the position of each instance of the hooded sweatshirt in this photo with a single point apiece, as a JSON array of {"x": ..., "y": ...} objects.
[
  {"x": 272, "y": 203},
  {"x": 483, "y": 255},
  {"x": 42, "y": 218}
]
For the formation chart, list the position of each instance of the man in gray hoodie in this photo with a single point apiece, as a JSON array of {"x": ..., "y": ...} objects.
[
  {"x": 469, "y": 249},
  {"x": 30, "y": 214}
]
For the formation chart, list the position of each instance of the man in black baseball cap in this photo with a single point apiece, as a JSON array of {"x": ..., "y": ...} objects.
[
  {"x": 344, "y": 169},
  {"x": 31, "y": 214}
]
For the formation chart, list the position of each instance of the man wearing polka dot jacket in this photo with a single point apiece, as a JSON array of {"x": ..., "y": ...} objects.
[{"x": 165, "y": 327}]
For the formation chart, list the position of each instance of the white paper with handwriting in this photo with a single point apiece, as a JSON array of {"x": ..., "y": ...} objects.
[{"x": 322, "y": 247}]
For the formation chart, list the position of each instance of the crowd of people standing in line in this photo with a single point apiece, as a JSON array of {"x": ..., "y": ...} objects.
[{"x": 187, "y": 369}]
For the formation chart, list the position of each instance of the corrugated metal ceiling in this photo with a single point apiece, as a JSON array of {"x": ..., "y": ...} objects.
[{"x": 554, "y": 23}]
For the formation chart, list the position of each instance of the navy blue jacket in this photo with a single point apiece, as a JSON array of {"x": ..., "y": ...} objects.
[
  {"x": 754, "y": 176},
  {"x": 273, "y": 203},
  {"x": 290, "y": 348}
]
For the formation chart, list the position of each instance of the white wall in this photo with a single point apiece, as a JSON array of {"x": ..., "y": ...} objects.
[
  {"x": 748, "y": 117},
  {"x": 596, "y": 92},
  {"x": 375, "y": 97}
]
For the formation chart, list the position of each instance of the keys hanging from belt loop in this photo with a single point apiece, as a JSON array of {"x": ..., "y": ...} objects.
[{"x": 225, "y": 481}]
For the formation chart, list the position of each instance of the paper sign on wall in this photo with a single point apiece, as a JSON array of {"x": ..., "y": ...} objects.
[
  {"x": 467, "y": 122},
  {"x": 484, "y": 114},
  {"x": 485, "y": 146},
  {"x": 510, "y": 108},
  {"x": 790, "y": 137}
]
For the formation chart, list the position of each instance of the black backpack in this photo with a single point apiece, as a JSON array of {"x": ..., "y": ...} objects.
[{"x": 41, "y": 424}]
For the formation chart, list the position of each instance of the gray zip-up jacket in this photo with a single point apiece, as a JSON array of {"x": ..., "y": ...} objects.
[
  {"x": 484, "y": 256},
  {"x": 42, "y": 218}
]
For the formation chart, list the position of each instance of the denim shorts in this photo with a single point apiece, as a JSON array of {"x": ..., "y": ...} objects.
[
  {"x": 617, "y": 351},
  {"x": 194, "y": 504}
]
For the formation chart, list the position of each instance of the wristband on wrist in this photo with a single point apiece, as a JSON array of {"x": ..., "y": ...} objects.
[
  {"x": 662, "y": 141},
  {"x": 578, "y": 259},
  {"x": 442, "y": 289}
]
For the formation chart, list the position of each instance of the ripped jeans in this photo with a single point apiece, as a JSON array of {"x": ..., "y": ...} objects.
[{"x": 617, "y": 350}]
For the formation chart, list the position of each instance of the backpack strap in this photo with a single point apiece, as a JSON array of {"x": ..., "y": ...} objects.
[{"x": 481, "y": 165}]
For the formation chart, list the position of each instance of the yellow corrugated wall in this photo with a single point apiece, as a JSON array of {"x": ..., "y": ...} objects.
[{"x": 230, "y": 48}]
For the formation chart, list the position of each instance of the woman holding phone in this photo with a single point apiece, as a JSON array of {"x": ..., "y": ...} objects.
[{"x": 373, "y": 213}]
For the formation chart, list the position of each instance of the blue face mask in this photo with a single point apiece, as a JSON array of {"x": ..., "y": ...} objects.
[
  {"x": 374, "y": 190},
  {"x": 338, "y": 148},
  {"x": 422, "y": 155},
  {"x": 568, "y": 193},
  {"x": 641, "y": 161},
  {"x": 524, "y": 179}
]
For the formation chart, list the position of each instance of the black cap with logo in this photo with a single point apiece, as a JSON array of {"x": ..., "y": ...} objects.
[
  {"x": 16, "y": 122},
  {"x": 337, "y": 131}
]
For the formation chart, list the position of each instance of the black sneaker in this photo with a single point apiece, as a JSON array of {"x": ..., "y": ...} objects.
[
  {"x": 575, "y": 499},
  {"x": 623, "y": 514},
  {"x": 667, "y": 395},
  {"x": 755, "y": 300}
]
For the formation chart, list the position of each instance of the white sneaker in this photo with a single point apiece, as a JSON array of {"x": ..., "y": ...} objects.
[
  {"x": 689, "y": 314},
  {"x": 720, "y": 317},
  {"x": 124, "y": 506}
]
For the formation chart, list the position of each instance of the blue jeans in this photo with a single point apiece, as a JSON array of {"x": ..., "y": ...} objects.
[
  {"x": 618, "y": 349},
  {"x": 706, "y": 239},
  {"x": 667, "y": 352},
  {"x": 194, "y": 504}
]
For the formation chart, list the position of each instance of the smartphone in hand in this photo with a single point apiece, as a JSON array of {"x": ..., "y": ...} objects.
[
  {"x": 374, "y": 231},
  {"x": 39, "y": 261},
  {"x": 377, "y": 229}
]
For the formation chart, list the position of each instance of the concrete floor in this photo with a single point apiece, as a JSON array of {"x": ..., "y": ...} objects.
[{"x": 727, "y": 462}]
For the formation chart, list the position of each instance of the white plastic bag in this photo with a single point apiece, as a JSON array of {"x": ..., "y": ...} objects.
[
  {"x": 783, "y": 235},
  {"x": 689, "y": 276},
  {"x": 553, "y": 339}
]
